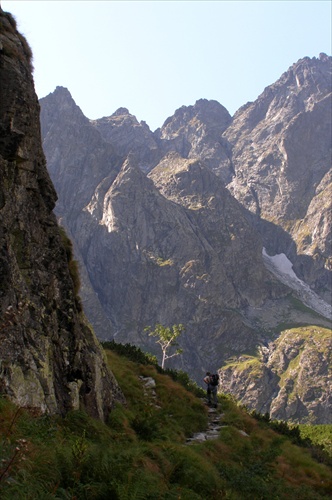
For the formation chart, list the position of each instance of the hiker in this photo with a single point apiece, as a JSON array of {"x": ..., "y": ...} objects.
[{"x": 211, "y": 381}]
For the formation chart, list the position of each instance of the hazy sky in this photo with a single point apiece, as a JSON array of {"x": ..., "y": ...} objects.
[{"x": 154, "y": 56}]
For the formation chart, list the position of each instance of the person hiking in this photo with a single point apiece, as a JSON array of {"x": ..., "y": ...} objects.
[{"x": 211, "y": 381}]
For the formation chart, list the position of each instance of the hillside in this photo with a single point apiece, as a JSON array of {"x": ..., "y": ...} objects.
[{"x": 143, "y": 452}]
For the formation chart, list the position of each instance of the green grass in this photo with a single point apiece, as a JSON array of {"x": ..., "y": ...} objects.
[
  {"x": 141, "y": 452},
  {"x": 250, "y": 364},
  {"x": 320, "y": 435}
]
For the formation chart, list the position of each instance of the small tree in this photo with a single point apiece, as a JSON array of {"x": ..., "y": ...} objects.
[{"x": 167, "y": 338}]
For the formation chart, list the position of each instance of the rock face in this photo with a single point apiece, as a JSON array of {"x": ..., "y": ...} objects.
[
  {"x": 281, "y": 153},
  {"x": 196, "y": 132},
  {"x": 77, "y": 167},
  {"x": 288, "y": 379},
  {"x": 49, "y": 356},
  {"x": 124, "y": 132},
  {"x": 170, "y": 226}
]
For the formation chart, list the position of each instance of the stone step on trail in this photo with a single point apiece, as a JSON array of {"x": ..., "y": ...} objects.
[{"x": 213, "y": 428}]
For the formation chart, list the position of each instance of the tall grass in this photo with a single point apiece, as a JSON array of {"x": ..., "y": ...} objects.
[{"x": 141, "y": 453}]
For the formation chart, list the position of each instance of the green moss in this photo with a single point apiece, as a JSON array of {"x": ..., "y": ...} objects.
[
  {"x": 250, "y": 364},
  {"x": 164, "y": 262}
]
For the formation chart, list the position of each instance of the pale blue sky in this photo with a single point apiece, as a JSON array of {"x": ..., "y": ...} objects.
[{"x": 154, "y": 56}]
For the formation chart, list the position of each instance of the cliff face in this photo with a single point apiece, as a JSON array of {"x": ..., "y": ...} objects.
[
  {"x": 196, "y": 132},
  {"x": 79, "y": 163},
  {"x": 170, "y": 226},
  {"x": 150, "y": 260},
  {"x": 49, "y": 357},
  {"x": 280, "y": 141},
  {"x": 288, "y": 379},
  {"x": 281, "y": 153}
]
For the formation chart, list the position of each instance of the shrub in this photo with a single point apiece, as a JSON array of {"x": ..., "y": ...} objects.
[
  {"x": 299, "y": 435},
  {"x": 183, "y": 378},
  {"x": 131, "y": 352}
]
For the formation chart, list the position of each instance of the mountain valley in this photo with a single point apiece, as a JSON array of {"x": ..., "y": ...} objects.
[{"x": 181, "y": 225}]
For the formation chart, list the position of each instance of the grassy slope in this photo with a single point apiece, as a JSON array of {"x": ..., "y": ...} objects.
[{"x": 141, "y": 453}]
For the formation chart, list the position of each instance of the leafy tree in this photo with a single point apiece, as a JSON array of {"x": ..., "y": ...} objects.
[{"x": 167, "y": 338}]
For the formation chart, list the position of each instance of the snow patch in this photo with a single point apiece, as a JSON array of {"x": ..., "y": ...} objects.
[
  {"x": 282, "y": 268},
  {"x": 282, "y": 263}
]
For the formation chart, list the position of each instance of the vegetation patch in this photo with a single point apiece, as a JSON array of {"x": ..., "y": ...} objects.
[
  {"x": 160, "y": 261},
  {"x": 245, "y": 363},
  {"x": 306, "y": 335},
  {"x": 10, "y": 49},
  {"x": 320, "y": 436},
  {"x": 141, "y": 452}
]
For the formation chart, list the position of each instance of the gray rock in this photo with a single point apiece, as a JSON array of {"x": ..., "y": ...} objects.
[
  {"x": 149, "y": 382},
  {"x": 281, "y": 153}
]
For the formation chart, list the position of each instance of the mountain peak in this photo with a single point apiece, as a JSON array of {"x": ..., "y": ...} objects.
[
  {"x": 62, "y": 96},
  {"x": 60, "y": 103},
  {"x": 121, "y": 111}
]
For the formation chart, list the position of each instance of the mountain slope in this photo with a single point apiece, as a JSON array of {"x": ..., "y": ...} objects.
[
  {"x": 168, "y": 229},
  {"x": 281, "y": 146},
  {"x": 288, "y": 378},
  {"x": 143, "y": 452}
]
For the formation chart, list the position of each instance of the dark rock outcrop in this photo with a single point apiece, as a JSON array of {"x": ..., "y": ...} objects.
[{"x": 49, "y": 356}]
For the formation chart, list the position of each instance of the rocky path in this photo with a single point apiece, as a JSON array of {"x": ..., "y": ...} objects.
[
  {"x": 213, "y": 428},
  {"x": 214, "y": 414}
]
